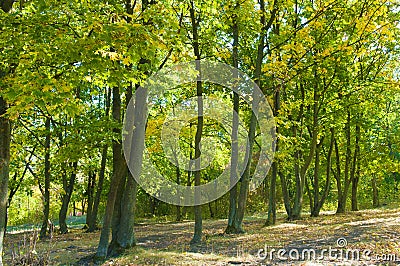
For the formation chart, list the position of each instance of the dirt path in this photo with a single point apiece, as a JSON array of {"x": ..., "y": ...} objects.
[{"x": 168, "y": 243}]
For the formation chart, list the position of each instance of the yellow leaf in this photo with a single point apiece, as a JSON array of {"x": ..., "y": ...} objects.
[{"x": 47, "y": 88}]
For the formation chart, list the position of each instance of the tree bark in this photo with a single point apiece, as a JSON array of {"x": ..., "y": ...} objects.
[
  {"x": 234, "y": 135},
  {"x": 90, "y": 196},
  {"x": 119, "y": 168},
  {"x": 5, "y": 138},
  {"x": 319, "y": 202},
  {"x": 198, "y": 224},
  {"x": 355, "y": 173},
  {"x": 66, "y": 198},
  {"x": 271, "y": 218},
  {"x": 126, "y": 234},
  {"x": 245, "y": 178},
  {"x": 6, "y": 5},
  {"x": 178, "y": 181},
  {"x": 92, "y": 222},
  {"x": 113, "y": 248},
  {"x": 343, "y": 189},
  {"x": 301, "y": 173},
  {"x": 17, "y": 184},
  {"x": 47, "y": 181},
  {"x": 375, "y": 192}
]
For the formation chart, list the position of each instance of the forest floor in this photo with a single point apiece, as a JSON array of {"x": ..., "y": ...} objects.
[{"x": 344, "y": 236}]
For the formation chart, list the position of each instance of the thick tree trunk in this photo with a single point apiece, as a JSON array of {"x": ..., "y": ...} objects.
[
  {"x": 119, "y": 169},
  {"x": 6, "y": 5},
  {"x": 123, "y": 224},
  {"x": 5, "y": 138},
  {"x": 66, "y": 198},
  {"x": 341, "y": 208},
  {"x": 47, "y": 181},
  {"x": 126, "y": 234},
  {"x": 114, "y": 249}
]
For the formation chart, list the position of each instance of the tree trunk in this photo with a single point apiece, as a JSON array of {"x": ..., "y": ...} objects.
[
  {"x": 17, "y": 184},
  {"x": 66, "y": 198},
  {"x": 244, "y": 186},
  {"x": 119, "y": 168},
  {"x": 315, "y": 201},
  {"x": 234, "y": 136},
  {"x": 6, "y": 5},
  {"x": 5, "y": 138},
  {"x": 189, "y": 174},
  {"x": 271, "y": 219},
  {"x": 271, "y": 216},
  {"x": 342, "y": 192},
  {"x": 178, "y": 181},
  {"x": 47, "y": 181},
  {"x": 92, "y": 222},
  {"x": 212, "y": 214},
  {"x": 355, "y": 173},
  {"x": 301, "y": 173},
  {"x": 83, "y": 205},
  {"x": 90, "y": 196},
  {"x": 114, "y": 249},
  {"x": 126, "y": 234},
  {"x": 198, "y": 224},
  {"x": 354, "y": 187},
  {"x": 319, "y": 202},
  {"x": 375, "y": 193}
]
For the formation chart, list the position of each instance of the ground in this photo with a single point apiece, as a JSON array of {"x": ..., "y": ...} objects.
[{"x": 377, "y": 231}]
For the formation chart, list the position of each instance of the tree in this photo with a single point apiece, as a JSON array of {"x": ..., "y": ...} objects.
[
  {"x": 198, "y": 227},
  {"x": 5, "y": 138}
]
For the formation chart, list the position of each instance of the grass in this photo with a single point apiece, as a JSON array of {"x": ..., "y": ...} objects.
[
  {"x": 377, "y": 230},
  {"x": 72, "y": 222}
]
